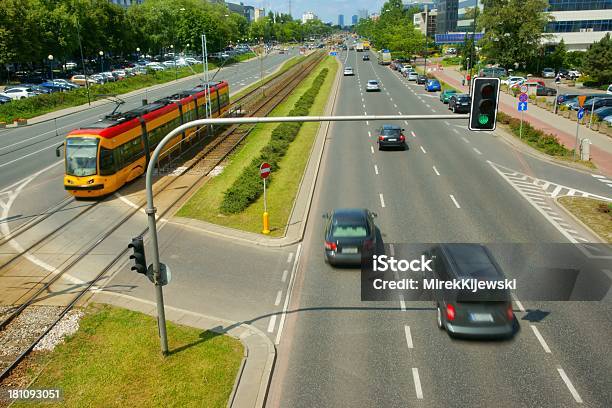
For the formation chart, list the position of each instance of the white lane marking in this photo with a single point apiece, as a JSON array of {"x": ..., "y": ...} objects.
[
  {"x": 540, "y": 339},
  {"x": 279, "y": 295},
  {"x": 412, "y": 133},
  {"x": 519, "y": 304},
  {"x": 406, "y": 122},
  {"x": 477, "y": 151},
  {"x": 428, "y": 105},
  {"x": 272, "y": 323},
  {"x": 391, "y": 99},
  {"x": 126, "y": 201},
  {"x": 365, "y": 113},
  {"x": 423, "y": 150},
  {"x": 455, "y": 201},
  {"x": 372, "y": 149},
  {"x": 569, "y": 385},
  {"x": 290, "y": 257},
  {"x": 446, "y": 123},
  {"x": 391, "y": 250},
  {"x": 369, "y": 134},
  {"x": 368, "y": 122},
  {"x": 417, "y": 383},
  {"x": 556, "y": 191},
  {"x": 436, "y": 170},
  {"x": 399, "y": 113},
  {"x": 464, "y": 139},
  {"x": 382, "y": 200},
  {"x": 408, "y": 337},
  {"x": 456, "y": 131},
  {"x": 376, "y": 169},
  {"x": 598, "y": 176},
  {"x": 395, "y": 105},
  {"x": 288, "y": 297},
  {"x": 285, "y": 273},
  {"x": 29, "y": 154}
]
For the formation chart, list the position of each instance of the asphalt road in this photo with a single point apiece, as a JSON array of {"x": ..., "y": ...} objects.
[{"x": 448, "y": 187}]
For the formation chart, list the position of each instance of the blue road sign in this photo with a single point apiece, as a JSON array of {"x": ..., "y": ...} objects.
[
  {"x": 580, "y": 113},
  {"x": 522, "y": 106},
  {"x": 523, "y": 97},
  {"x": 333, "y": 54}
]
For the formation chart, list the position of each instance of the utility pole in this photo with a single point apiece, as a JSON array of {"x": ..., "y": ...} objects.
[
  {"x": 426, "y": 18},
  {"x": 83, "y": 60},
  {"x": 472, "y": 49}
]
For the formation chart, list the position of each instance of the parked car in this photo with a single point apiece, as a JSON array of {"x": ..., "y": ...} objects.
[
  {"x": 463, "y": 312},
  {"x": 433, "y": 85},
  {"x": 192, "y": 61},
  {"x": 545, "y": 90},
  {"x": 4, "y": 99},
  {"x": 80, "y": 80},
  {"x": 350, "y": 234},
  {"x": 119, "y": 74},
  {"x": 548, "y": 73},
  {"x": 575, "y": 105},
  {"x": 446, "y": 94},
  {"x": 108, "y": 76},
  {"x": 460, "y": 103},
  {"x": 603, "y": 112},
  {"x": 373, "y": 85},
  {"x": 155, "y": 66},
  {"x": 53, "y": 86},
  {"x": 512, "y": 80},
  {"x": 597, "y": 103},
  {"x": 412, "y": 76},
  {"x": 574, "y": 74},
  {"x": 609, "y": 91},
  {"x": 66, "y": 83},
  {"x": 98, "y": 78},
  {"x": 391, "y": 136},
  {"x": 18, "y": 92}
]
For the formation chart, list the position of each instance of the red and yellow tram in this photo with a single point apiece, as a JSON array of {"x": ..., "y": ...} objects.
[{"x": 102, "y": 157}]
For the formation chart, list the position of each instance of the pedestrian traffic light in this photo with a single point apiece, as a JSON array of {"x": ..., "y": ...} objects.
[
  {"x": 140, "y": 262},
  {"x": 483, "y": 110}
]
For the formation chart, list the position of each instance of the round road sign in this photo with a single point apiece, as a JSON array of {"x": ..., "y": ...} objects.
[
  {"x": 523, "y": 97},
  {"x": 524, "y": 89},
  {"x": 264, "y": 170}
]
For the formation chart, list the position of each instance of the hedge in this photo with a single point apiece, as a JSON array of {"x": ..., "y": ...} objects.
[
  {"x": 247, "y": 188},
  {"x": 544, "y": 142}
]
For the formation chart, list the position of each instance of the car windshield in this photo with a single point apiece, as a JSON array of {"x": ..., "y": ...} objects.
[
  {"x": 349, "y": 231},
  {"x": 81, "y": 155},
  {"x": 463, "y": 99}
]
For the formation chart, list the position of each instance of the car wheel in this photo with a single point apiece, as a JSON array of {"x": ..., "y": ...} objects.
[
  {"x": 439, "y": 318},
  {"x": 379, "y": 147}
]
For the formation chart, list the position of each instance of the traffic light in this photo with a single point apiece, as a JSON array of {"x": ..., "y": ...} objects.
[
  {"x": 140, "y": 262},
  {"x": 485, "y": 97}
]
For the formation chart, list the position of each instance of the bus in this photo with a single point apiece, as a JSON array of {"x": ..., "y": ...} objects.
[
  {"x": 384, "y": 57},
  {"x": 366, "y": 45},
  {"x": 102, "y": 157}
]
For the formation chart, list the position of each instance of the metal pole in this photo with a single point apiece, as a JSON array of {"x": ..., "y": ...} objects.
[
  {"x": 557, "y": 98},
  {"x": 472, "y": 49},
  {"x": 83, "y": 60},
  {"x": 425, "y": 67},
  {"x": 264, "y": 197},
  {"x": 521, "y": 128},
  {"x": 591, "y": 118},
  {"x": 208, "y": 107},
  {"x": 576, "y": 144}
]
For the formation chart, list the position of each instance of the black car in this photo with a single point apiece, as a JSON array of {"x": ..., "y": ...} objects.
[
  {"x": 365, "y": 57},
  {"x": 391, "y": 136},
  {"x": 350, "y": 233},
  {"x": 602, "y": 112},
  {"x": 545, "y": 91},
  {"x": 4, "y": 99},
  {"x": 465, "y": 312},
  {"x": 421, "y": 80},
  {"x": 598, "y": 103},
  {"x": 460, "y": 103}
]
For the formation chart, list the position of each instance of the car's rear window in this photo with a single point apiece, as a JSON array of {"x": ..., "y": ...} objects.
[
  {"x": 372, "y": 82},
  {"x": 350, "y": 231},
  {"x": 463, "y": 99},
  {"x": 390, "y": 132}
]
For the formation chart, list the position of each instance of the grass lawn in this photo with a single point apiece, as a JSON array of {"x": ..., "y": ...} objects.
[
  {"x": 204, "y": 205},
  {"x": 285, "y": 67},
  {"x": 114, "y": 361},
  {"x": 587, "y": 210}
]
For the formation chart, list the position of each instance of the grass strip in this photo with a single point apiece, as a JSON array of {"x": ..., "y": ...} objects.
[
  {"x": 114, "y": 361},
  {"x": 595, "y": 214},
  {"x": 42, "y": 104},
  {"x": 204, "y": 205}
]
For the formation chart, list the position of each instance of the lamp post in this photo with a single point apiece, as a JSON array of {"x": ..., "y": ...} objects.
[
  {"x": 50, "y": 58},
  {"x": 83, "y": 60},
  {"x": 101, "y": 53},
  {"x": 137, "y": 53}
]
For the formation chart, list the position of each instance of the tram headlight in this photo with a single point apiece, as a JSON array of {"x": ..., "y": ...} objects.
[{"x": 90, "y": 181}]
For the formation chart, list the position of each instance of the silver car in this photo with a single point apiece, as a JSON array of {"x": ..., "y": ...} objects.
[
  {"x": 372, "y": 86},
  {"x": 412, "y": 76}
]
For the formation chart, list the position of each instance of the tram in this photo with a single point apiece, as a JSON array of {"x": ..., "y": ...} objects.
[{"x": 102, "y": 157}]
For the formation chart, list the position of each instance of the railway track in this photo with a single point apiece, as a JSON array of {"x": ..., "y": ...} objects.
[{"x": 214, "y": 152}]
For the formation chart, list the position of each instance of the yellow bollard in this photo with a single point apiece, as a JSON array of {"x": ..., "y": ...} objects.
[{"x": 266, "y": 224}]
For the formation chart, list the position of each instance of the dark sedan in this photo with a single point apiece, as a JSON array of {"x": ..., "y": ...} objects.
[
  {"x": 391, "y": 136},
  {"x": 421, "y": 79},
  {"x": 545, "y": 91},
  {"x": 365, "y": 57},
  {"x": 460, "y": 103},
  {"x": 4, "y": 99},
  {"x": 350, "y": 233},
  {"x": 465, "y": 312}
]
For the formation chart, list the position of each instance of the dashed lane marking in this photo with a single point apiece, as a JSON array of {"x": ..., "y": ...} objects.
[
  {"x": 417, "y": 383},
  {"x": 382, "y": 200},
  {"x": 436, "y": 170},
  {"x": 477, "y": 151},
  {"x": 455, "y": 201},
  {"x": 408, "y": 337},
  {"x": 376, "y": 169},
  {"x": 603, "y": 179},
  {"x": 536, "y": 332},
  {"x": 569, "y": 385}
]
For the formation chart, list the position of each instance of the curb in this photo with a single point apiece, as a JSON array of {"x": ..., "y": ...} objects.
[
  {"x": 251, "y": 385},
  {"x": 257, "y": 239},
  {"x": 578, "y": 220}
]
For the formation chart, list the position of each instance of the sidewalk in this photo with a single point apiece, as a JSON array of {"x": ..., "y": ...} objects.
[{"x": 564, "y": 129}]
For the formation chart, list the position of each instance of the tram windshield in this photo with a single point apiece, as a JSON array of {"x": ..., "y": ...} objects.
[{"x": 81, "y": 155}]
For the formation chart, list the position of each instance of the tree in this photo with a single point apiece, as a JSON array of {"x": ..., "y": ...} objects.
[
  {"x": 574, "y": 59},
  {"x": 514, "y": 30},
  {"x": 556, "y": 59},
  {"x": 597, "y": 60}
]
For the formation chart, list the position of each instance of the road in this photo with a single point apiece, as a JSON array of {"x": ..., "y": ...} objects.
[
  {"x": 31, "y": 150},
  {"x": 450, "y": 186}
]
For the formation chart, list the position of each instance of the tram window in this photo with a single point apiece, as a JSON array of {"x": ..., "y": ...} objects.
[
  {"x": 107, "y": 162},
  {"x": 81, "y": 156}
]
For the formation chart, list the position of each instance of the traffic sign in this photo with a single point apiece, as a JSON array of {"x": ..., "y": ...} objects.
[
  {"x": 524, "y": 89},
  {"x": 264, "y": 170},
  {"x": 523, "y": 97},
  {"x": 522, "y": 106},
  {"x": 581, "y": 100},
  {"x": 580, "y": 113}
]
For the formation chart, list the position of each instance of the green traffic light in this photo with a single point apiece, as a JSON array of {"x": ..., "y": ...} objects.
[{"x": 483, "y": 119}]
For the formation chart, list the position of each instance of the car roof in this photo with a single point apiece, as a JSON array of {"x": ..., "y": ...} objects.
[
  {"x": 372, "y": 80},
  {"x": 391, "y": 127},
  {"x": 461, "y": 95},
  {"x": 471, "y": 260},
  {"x": 350, "y": 215}
]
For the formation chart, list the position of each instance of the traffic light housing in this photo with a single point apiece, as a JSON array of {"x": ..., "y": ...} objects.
[
  {"x": 485, "y": 98},
  {"x": 140, "y": 262}
]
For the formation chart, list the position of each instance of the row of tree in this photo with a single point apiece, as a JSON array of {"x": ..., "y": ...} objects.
[{"x": 30, "y": 30}]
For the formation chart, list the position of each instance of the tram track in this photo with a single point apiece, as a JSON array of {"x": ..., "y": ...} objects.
[{"x": 213, "y": 153}]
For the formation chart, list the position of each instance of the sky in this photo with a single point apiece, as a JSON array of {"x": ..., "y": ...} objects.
[{"x": 326, "y": 10}]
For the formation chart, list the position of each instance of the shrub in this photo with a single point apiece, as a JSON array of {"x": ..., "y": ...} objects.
[
  {"x": 246, "y": 189},
  {"x": 544, "y": 142}
]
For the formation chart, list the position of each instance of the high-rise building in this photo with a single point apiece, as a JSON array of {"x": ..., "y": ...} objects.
[
  {"x": 341, "y": 20},
  {"x": 307, "y": 16},
  {"x": 425, "y": 21},
  {"x": 465, "y": 16},
  {"x": 259, "y": 13},
  {"x": 363, "y": 14},
  {"x": 354, "y": 19},
  {"x": 446, "y": 21},
  {"x": 579, "y": 22}
]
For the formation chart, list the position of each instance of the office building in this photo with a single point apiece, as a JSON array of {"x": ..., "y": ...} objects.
[
  {"x": 259, "y": 13},
  {"x": 420, "y": 4},
  {"x": 341, "y": 20},
  {"x": 465, "y": 16},
  {"x": 354, "y": 19},
  {"x": 308, "y": 16},
  {"x": 425, "y": 21},
  {"x": 579, "y": 22},
  {"x": 363, "y": 14},
  {"x": 374, "y": 16}
]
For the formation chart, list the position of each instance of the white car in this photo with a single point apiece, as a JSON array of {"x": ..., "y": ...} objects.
[
  {"x": 609, "y": 91},
  {"x": 412, "y": 76},
  {"x": 405, "y": 68},
  {"x": 348, "y": 71},
  {"x": 18, "y": 93},
  {"x": 119, "y": 73},
  {"x": 156, "y": 66},
  {"x": 573, "y": 73},
  {"x": 512, "y": 80},
  {"x": 192, "y": 61},
  {"x": 372, "y": 85}
]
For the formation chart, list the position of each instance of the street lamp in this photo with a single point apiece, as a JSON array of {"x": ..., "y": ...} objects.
[
  {"x": 137, "y": 52},
  {"x": 50, "y": 58},
  {"x": 101, "y": 53}
]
